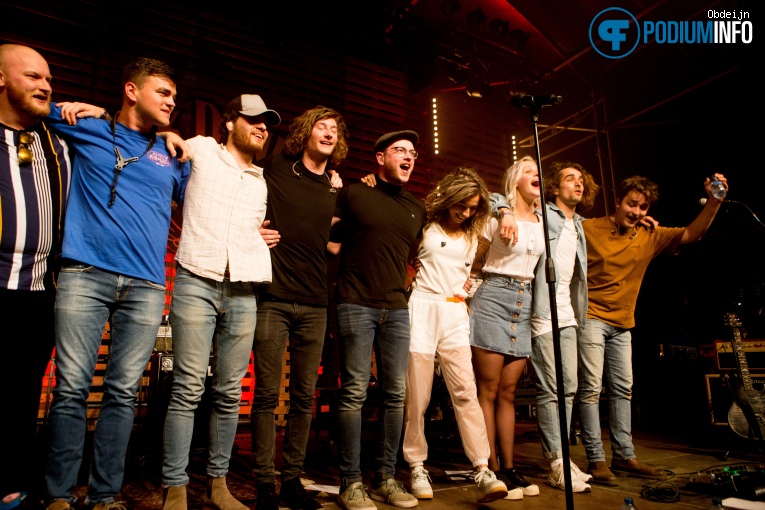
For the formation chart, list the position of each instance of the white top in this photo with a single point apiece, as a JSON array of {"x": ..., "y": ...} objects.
[
  {"x": 222, "y": 211},
  {"x": 565, "y": 260},
  {"x": 516, "y": 261},
  {"x": 444, "y": 262}
]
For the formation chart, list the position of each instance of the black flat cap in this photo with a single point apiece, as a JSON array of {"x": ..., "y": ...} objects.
[{"x": 387, "y": 139}]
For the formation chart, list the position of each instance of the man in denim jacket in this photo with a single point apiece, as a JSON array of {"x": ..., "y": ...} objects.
[{"x": 569, "y": 186}]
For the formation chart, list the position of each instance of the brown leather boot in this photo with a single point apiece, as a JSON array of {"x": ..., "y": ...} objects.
[
  {"x": 174, "y": 498},
  {"x": 601, "y": 474},
  {"x": 217, "y": 495},
  {"x": 633, "y": 467},
  {"x": 59, "y": 504}
]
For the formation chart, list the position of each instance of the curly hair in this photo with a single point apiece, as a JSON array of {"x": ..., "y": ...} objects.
[
  {"x": 511, "y": 177},
  {"x": 553, "y": 175},
  {"x": 461, "y": 184},
  {"x": 138, "y": 70},
  {"x": 640, "y": 184},
  {"x": 302, "y": 127}
]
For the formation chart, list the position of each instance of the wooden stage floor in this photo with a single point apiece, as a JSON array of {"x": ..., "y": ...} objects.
[{"x": 690, "y": 464}]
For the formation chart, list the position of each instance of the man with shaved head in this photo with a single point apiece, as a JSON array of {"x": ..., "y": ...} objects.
[{"x": 34, "y": 180}]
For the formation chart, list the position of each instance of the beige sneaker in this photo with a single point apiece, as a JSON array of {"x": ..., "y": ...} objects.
[
  {"x": 420, "y": 483},
  {"x": 394, "y": 493},
  {"x": 489, "y": 488},
  {"x": 355, "y": 498}
]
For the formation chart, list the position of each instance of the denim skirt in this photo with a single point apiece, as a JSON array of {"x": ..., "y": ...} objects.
[{"x": 500, "y": 316}]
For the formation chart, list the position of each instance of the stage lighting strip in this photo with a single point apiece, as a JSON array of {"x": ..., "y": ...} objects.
[
  {"x": 515, "y": 155},
  {"x": 435, "y": 125}
]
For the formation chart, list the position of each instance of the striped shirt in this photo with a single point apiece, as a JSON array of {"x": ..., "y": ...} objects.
[{"x": 32, "y": 203}]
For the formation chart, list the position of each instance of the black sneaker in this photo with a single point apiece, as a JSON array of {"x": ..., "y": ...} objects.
[
  {"x": 294, "y": 496},
  {"x": 266, "y": 496},
  {"x": 518, "y": 480}
]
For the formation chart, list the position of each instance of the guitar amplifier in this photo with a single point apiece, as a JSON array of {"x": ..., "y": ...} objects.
[
  {"x": 720, "y": 398},
  {"x": 754, "y": 350}
]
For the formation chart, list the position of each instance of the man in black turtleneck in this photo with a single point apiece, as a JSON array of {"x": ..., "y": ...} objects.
[{"x": 377, "y": 226}]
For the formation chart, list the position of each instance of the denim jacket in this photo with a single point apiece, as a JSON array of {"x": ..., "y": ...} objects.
[{"x": 541, "y": 301}]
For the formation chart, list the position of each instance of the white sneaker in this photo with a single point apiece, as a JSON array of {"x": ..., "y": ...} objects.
[
  {"x": 420, "y": 483},
  {"x": 355, "y": 498},
  {"x": 585, "y": 477},
  {"x": 556, "y": 478},
  {"x": 489, "y": 488}
]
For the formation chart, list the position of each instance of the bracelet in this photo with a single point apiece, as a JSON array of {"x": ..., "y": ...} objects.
[{"x": 506, "y": 212}]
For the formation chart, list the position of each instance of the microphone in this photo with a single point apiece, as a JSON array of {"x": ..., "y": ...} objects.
[
  {"x": 703, "y": 201},
  {"x": 529, "y": 101}
]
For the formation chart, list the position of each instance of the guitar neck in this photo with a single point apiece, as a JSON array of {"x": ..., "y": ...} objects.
[{"x": 743, "y": 367}]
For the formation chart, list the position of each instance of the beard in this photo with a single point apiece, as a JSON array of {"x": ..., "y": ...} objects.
[
  {"x": 241, "y": 140},
  {"x": 20, "y": 101}
]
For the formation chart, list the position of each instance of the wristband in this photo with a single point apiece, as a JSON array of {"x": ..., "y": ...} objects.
[{"x": 506, "y": 212}]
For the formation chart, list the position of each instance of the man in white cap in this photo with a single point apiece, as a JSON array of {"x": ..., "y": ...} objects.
[
  {"x": 377, "y": 226},
  {"x": 222, "y": 258}
]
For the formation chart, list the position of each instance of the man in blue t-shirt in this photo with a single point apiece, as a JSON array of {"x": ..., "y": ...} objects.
[{"x": 113, "y": 268}]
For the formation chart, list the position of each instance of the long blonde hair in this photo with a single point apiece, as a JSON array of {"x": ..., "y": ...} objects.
[
  {"x": 511, "y": 177},
  {"x": 461, "y": 184}
]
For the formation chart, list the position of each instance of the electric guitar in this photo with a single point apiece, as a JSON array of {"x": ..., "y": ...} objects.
[{"x": 746, "y": 416}]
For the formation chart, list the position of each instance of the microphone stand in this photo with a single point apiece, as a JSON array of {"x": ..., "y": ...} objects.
[{"x": 551, "y": 279}]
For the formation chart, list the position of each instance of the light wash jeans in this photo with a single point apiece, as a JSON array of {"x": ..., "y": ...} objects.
[
  {"x": 360, "y": 327},
  {"x": 204, "y": 312},
  {"x": 605, "y": 351},
  {"x": 304, "y": 327},
  {"x": 543, "y": 359},
  {"x": 86, "y": 298}
]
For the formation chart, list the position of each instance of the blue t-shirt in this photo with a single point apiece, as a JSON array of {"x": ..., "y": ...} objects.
[{"x": 129, "y": 238}]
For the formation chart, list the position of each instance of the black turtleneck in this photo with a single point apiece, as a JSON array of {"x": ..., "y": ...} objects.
[{"x": 378, "y": 227}]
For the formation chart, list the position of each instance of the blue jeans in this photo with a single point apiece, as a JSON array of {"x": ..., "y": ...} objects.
[
  {"x": 206, "y": 311},
  {"x": 605, "y": 350},
  {"x": 86, "y": 298},
  {"x": 543, "y": 359},
  {"x": 359, "y": 328},
  {"x": 303, "y": 326}
]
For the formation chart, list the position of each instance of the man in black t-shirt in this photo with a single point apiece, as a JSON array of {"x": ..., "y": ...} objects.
[
  {"x": 376, "y": 229},
  {"x": 301, "y": 202}
]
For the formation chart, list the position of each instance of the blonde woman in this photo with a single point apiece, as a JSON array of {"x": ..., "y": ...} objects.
[{"x": 500, "y": 319}]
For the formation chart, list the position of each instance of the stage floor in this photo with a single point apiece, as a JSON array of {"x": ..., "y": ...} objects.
[{"x": 689, "y": 463}]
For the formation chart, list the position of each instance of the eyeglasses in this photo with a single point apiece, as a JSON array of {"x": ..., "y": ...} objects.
[
  {"x": 401, "y": 151},
  {"x": 23, "y": 151}
]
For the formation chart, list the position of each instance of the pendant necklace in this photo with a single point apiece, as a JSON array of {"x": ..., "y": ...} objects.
[{"x": 123, "y": 162}]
